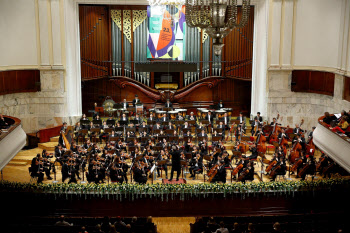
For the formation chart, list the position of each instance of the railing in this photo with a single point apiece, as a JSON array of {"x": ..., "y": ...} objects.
[
  {"x": 12, "y": 140},
  {"x": 241, "y": 69},
  {"x": 335, "y": 145}
]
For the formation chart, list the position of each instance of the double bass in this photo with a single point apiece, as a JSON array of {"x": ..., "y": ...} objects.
[
  {"x": 276, "y": 129},
  {"x": 243, "y": 174},
  {"x": 295, "y": 152},
  {"x": 260, "y": 145}
]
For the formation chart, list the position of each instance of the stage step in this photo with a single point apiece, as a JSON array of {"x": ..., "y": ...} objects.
[
  {"x": 54, "y": 139},
  {"x": 49, "y": 146},
  {"x": 16, "y": 163}
]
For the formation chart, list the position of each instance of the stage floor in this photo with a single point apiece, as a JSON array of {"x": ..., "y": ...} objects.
[{"x": 17, "y": 170}]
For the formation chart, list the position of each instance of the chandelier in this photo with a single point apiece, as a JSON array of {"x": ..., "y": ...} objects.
[{"x": 216, "y": 17}]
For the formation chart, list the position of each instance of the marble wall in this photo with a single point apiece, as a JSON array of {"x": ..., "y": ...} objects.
[
  {"x": 42, "y": 109},
  {"x": 295, "y": 106}
]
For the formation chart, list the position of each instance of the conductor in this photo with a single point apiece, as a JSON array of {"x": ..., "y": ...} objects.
[{"x": 176, "y": 165}]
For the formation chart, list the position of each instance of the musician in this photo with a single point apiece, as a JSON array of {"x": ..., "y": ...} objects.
[
  {"x": 113, "y": 135},
  {"x": 62, "y": 131},
  {"x": 259, "y": 132},
  {"x": 37, "y": 169},
  {"x": 192, "y": 117},
  {"x": 84, "y": 118},
  {"x": 46, "y": 165},
  {"x": 209, "y": 117},
  {"x": 170, "y": 126},
  {"x": 151, "y": 118},
  {"x": 203, "y": 147},
  {"x": 299, "y": 139},
  {"x": 98, "y": 120},
  {"x": 144, "y": 127},
  {"x": 164, "y": 118},
  {"x": 298, "y": 130},
  {"x": 65, "y": 171},
  {"x": 241, "y": 119},
  {"x": 221, "y": 126},
  {"x": 124, "y": 118},
  {"x": 226, "y": 120},
  {"x": 161, "y": 157},
  {"x": 168, "y": 104},
  {"x": 59, "y": 152},
  {"x": 239, "y": 132},
  {"x": 200, "y": 126},
  {"x": 91, "y": 133},
  {"x": 140, "y": 175},
  {"x": 138, "y": 119},
  {"x": 311, "y": 134},
  {"x": 254, "y": 151},
  {"x": 179, "y": 116},
  {"x": 175, "y": 161},
  {"x": 255, "y": 125},
  {"x": 221, "y": 173},
  {"x": 124, "y": 104},
  {"x": 157, "y": 126},
  {"x": 215, "y": 134},
  {"x": 220, "y": 105},
  {"x": 282, "y": 134},
  {"x": 136, "y": 101},
  {"x": 104, "y": 134},
  {"x": 187, "y": 134},
  {"x": 77, "y": 130},
  {"x": 250, "y": 175},
  {"x": 274, "y": 121},
  {"x": 196, "y": 165},
  {"x": 186, "y": 127},
  {"x": 188, "y": 145},
  {"x": 260, "y": 119},
  {"x": 115, "y": 172},
  {"x": 110, "y": 121},
  {"x": 311, "y": 169},
  {"x": 281, "y": 168},
  {"x": 202, "y": 134},
  {"x": 87, "y": 144}
]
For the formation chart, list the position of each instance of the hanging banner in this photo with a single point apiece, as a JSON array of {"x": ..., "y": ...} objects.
[{"x": 166, "y": 32}]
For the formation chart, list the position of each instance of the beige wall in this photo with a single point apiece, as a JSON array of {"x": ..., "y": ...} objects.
[
  {"x": 18, "y": 33},
  {"x": 294, "y": 106},
  {"x": 309, "y": 34}
]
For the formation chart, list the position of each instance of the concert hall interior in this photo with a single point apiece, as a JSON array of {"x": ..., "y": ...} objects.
[{"x": 175, "y": 115}]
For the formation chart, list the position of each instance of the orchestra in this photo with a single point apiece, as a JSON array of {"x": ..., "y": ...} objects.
[{"x": 138, "y": 144}]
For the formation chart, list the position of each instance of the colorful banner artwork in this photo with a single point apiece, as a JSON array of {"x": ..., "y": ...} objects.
[{"x": 166, "y": 32}]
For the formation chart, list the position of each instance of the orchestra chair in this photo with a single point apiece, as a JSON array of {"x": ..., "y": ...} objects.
[
  {"x": 81, "y": 138},
  {"x": 94, "y": 139},
  {"x": 196, "y": 173},
  {"x": 32, "y": 177}
]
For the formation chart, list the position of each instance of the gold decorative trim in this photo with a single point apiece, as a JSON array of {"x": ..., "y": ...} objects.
[
  {"x": 116, "y": 16},
  {"x": 138, "y": 16},
  {"x": 127, "y": 24}
]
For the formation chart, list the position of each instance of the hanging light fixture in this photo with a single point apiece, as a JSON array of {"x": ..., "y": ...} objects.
[{"x": 216, "y": 17}]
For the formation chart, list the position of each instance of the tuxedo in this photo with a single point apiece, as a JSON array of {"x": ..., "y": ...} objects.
[
  {"x": 297, "y": 131},
  {"x": 209, "y": 118},
  {"x": 125, "y": 104},
  {"x": 202, "y": 135},
  {"x": 135, "y": 101},
  {"x": 151, "y": 119},
  {"x": 164, "y": 119},
  {"x": 241, "y": 119},
  {"x": 178, "y": 118},
  {"x": 194, "y": 117},
  {"x": 226, "y": 120}
]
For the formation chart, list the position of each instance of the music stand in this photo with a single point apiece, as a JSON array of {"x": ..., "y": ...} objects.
[
  {"x": 114, "y": 139},
  {"x": 123, "y": 122},
  {"x": 130, "y": 139},
  {"x": 183, "y": 164},
  {"x": 235, "y": 121},
  {"x": 145, "y": 139},
  {"x": 191, "y": 122},
  {"x": 83, "y": 131},
  {"x": 174, "y": 138},
  {"x": 179, "y": 122},
  {"x": 97, "y": 122},
  {"x": 129, "y": 129},
  {"x": 204, "y": 122},
  {"x": 119, "y": 129},
  {"x": 139, "y": 108},
  {"x": 84, "y": 122},
  {"x": 131, "y": 148},
  {"x": 157, "y": 148},
  {"x": 170, "y": 131},
  {"x": 110, "y": 122},
  {"x": 187, "y": 137},
  {"x": 200, "y": 138},
  {"x": 216, "y": 138},
  {"x": 161, "y": 137},
  {"x": 135, "y": 122},
  {"x": 167, "y": 109},
  {"x": 218, "y": 130},
  {"x": 95, "y": 130},
  {"x": 108, "y": 130},
  {"x": 156, "y": 131},
  {"x": 165, "y": 123}
]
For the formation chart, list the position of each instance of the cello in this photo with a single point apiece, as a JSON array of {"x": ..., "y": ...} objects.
[
  {"x": 295, "y": 152},
  {"x": 212, "y": 172},
  {"x": 261, "y": 147},
  {"x": 243, "y": 174},
  {"x": 274, "y": 134}
]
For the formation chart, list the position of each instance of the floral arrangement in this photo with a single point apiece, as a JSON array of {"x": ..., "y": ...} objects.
[{"x": 166, "y": 191}]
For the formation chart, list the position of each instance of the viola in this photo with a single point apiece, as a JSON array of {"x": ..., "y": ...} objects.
[{"x": 295, "y": 166}]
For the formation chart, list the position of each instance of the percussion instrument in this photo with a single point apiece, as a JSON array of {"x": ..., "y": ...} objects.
[
  {"x": 160, "y": 113},
  {"x": 228, "y": 110},
  {"x": 220, "y": 113},
  {"x": 183, "y": 111}
]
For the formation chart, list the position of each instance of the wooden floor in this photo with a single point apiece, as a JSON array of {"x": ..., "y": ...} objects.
[{"x": 17, "y": 169}]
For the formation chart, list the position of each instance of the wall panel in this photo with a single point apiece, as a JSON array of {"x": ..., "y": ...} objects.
[
  {"x": 17, "y": 81},
  {"x": 347, "y": 88},
  {"x": 313, "y": 82}
]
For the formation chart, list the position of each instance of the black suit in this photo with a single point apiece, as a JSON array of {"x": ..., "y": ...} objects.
[
  {"x": 297, "y": 130},
  {"x": 176, "y": 164},
  {"x": 220, "y": 175},
  {"x": 168, "y": 105},
  {"x": 125, "y": 105},
  {"x": 227, "y": 120},
  {"x": 134, "y": 102},
  {"x": 210, "y": 119}
]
